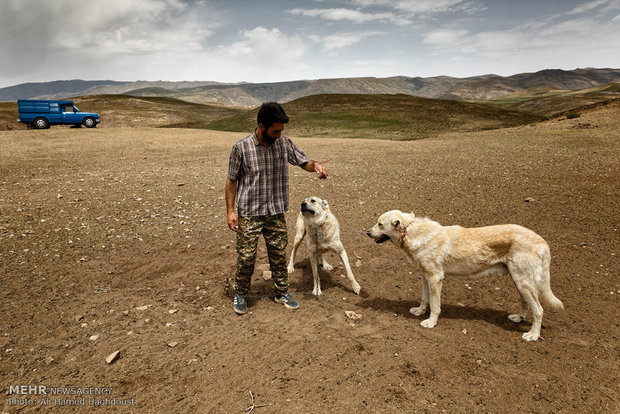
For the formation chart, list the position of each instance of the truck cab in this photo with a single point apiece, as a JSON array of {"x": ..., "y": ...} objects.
[{"x": 40, "y": 114}]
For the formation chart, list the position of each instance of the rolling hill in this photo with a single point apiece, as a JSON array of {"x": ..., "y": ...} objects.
[
  {"x": 252, "y": 94},
  {"x": 442, "y": 87},
  {"x": 396, "y": 117},
  {"x": 128, "y": 111},
  {"x": 556, "y": 102},
  {"x": 63, "y": 89},
  {"x": 383, "y": 116}
]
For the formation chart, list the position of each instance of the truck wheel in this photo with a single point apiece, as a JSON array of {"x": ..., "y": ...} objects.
[
  {"x": 89, "y": 122},
  {"x": 40, "y": 123}
]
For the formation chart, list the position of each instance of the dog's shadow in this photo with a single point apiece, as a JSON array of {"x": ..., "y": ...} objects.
[
  {"x": 401, "y": 307},
  {"x": 329, "y": 278}
]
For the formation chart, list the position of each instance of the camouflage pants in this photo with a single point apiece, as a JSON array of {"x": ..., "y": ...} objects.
[{"x": 273, "y": 229}]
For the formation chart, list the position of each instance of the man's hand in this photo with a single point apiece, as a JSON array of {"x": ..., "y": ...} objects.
[
  {"x": 232, "y": 222},
  {"x": 320, "y": 170}
]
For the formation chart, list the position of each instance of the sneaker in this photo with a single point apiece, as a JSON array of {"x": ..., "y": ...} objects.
[
  {"x": 287, "y": 300},
  {"x": 240, "y": 304}
]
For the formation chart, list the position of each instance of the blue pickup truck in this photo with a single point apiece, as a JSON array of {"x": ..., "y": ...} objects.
[{"x": 41, "y": 114}]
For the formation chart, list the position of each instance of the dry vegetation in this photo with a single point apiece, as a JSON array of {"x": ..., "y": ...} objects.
[
  {"x": 127, "y": 111},
  {"x": 115, "y": 239},
  {"x": 553, "y": 103}
]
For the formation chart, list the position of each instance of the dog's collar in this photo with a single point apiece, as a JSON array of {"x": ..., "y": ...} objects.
[{"x": 404, "y": 233}]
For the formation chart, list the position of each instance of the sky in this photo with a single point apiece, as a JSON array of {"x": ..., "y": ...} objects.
[{"x": 282, "y": 40}]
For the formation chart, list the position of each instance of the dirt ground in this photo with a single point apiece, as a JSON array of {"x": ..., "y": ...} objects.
[{"x": 115, "y": 239}]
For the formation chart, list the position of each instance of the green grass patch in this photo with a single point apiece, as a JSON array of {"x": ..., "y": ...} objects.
[
  {"x": 397, "y": 117},
  {"x": 614, "y": 88}
]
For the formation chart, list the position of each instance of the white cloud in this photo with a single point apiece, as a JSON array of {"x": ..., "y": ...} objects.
[
  {"x": 271, "y": 46},
  {"x": 121, "y": 39},
  {"x": 342, "y": 40},
  {"x": 422, "y": 6},
  {"x": 113, "y": 26},
  {"x": 401, "y": 12},
  {"x": 550, "y": 41},
  {"x": 259, "y": 55},
  {"x": 582, "y": 8},
  {"x": 218, "y": 40},
  {"x": 354, "y": 16},
  {"x": 445, "y": 37},
  {"x": 140, "y": 26}
]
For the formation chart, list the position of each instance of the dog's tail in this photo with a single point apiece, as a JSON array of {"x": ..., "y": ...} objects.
[{"x": 544, "y": 284}]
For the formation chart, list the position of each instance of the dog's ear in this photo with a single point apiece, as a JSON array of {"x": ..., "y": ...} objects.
[
  {"x": 325, "y": 205},
  {"x": 396, "y": 223}
]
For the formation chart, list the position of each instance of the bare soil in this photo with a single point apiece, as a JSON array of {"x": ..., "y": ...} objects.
[{"x": 115, "y": 239}]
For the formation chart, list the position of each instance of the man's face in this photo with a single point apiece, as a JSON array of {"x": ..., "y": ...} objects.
[{"x": 273, "y": 132}]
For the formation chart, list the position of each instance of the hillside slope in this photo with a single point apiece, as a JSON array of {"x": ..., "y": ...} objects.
[
  {"x": 398, "y": 117},
  {"x": 127, "y": 111},
  {"x": 443, "y": 87},
  {"x": 61, "y": 89},
  {"x": 556, "y": 102},
  {"x": 252, "y": 94}
]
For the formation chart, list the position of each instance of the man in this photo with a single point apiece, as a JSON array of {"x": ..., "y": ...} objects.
[{"x": 258, "y": 181}]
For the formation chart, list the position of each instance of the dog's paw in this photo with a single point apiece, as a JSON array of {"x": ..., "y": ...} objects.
[
  {"x": 327, "y": 266},
  {"x": 290, "y": 269},
  {"x": 357, "y": 288},
  {"x": 417, "y": 311},
  {"x": 531, "y": 336},
  {"x": 516, "y": 318},
  {"x": 317, "y": 292},
  {"x": 428, "y": 323}
]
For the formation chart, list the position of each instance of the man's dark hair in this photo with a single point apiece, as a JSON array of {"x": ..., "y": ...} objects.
[{"x": 271, "y": 112}]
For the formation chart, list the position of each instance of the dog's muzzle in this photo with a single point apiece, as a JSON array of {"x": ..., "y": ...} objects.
[
  {"x": 305, "y": 209},
  {"x": 381, "y": 239}
]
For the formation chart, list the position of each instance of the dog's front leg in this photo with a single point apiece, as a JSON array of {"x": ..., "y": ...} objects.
[
  {"x": 345, "y": 262},
  {"x": 299, "y": 236},
  {"x": 420, "y": 310},
  {"x": 315, "y": 273},
  {"x": 326, "y": 265},
  {"x": 434, "y": 290}
]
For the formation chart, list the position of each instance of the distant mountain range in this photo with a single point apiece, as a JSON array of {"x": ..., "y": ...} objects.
[{"x": 252, "y": 94}]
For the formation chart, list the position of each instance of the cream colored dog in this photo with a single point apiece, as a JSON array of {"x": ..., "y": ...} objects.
[
  {"x": 317, "y": 221},
  {"x": 441, "y": 251}
]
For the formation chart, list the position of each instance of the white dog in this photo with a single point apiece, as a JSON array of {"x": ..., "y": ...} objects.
[
  {"x": 317, "y": 221},
  {"x": 441, "y": 251}
]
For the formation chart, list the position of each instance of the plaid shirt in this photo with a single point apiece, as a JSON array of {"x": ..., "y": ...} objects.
[{"x": 262, "y": 174}]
